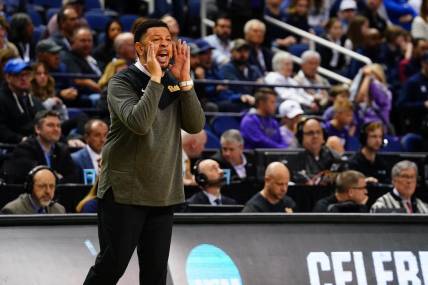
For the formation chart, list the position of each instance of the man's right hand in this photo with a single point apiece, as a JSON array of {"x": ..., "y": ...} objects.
[
  {"x": 68, "y": 93},
  {"x": 152, "y": 65}
]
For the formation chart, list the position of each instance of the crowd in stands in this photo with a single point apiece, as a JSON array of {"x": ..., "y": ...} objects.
[{"x": 54, "y": 74}]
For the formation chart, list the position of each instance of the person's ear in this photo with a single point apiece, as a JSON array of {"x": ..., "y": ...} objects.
[{"x": 139, "y": 49}]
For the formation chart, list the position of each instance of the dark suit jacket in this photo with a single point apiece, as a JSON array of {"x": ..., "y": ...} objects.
[
  {"x": 267, "y": 56},
  {"x": 82, "y": 160},
  {"x": 29, "y": 154},
  {"x": 14, "y": 125},
  {"x": 232, "y": 72},
  {"x": 201, "y": 198},
  {"x": 234, "y": 177}
]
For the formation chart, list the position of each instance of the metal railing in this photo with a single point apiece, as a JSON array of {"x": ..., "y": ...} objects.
[{"x": 318, "y": 40}]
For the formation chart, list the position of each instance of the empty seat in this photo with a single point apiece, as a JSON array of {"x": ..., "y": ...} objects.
[
  {"x": 127, "y": 21},
  {"x": 221, "y": 124}
]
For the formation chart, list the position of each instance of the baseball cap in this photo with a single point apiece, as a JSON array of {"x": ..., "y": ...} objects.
[
  {"x": 203, "y": 45},
  {"x": 239, "y": 44},
  {"x": 290, "y": 109},
  {"x": 348, "y": 5},
  {"x": 48, "y": 45},
  {"x": 194, "y": 49},
  {"x": 15, "y": 66}
]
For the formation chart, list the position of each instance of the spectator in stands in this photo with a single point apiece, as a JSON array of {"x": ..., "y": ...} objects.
[
  {"x": 374, "y": 99},
  {"x": 80, "y": 61},
  {"x": 414, "y": 98},
  {"x": 374, "y": 12},
  {"x": 356, "y": 32},
  {"x": 260, "y": 56},
  {"x": 347, "y": 13},
  {"x": 397, "y": 46},
  {"x": 308, "y": 76},
  {"x": 209, "y": 177},
  {"x": 337, "y": 92},
  {"x": 331, "y": 58},
  {"x": 275, "y": 35},
  {"x": 43, "y": 88},
  {"x": 173, "y": 26},
  {"x": 410, "y": 66},
  {"x": 341, "y": 125},
  {"x": 316, "y": 162},
  {"x": 231, "y": 156},
  {"x": 282, "y": 64},
  {"x": 47, "y": 52},
  {"x": 21, "y": 35},
  {"x": 193, "y": 145},
  {"x": 124, "y": 47},
  {"x": 272, "y": 198},
  {"x": 366, "y": 160},
  {"x": 111, "y": 69},
  {"x": 404, "y": 176},
  {"x": 297, "y": 16},
  {"x": 68, "y": 22},
  {"x": 89, "y": 157},
  {"x": 239, "y": 68},
  {"x": 77, "y": 5},
  {"x": 420, "y": 22},
  {"x": 5, "y": 45},
  {"x": 290, "y": 112},
  {"x": 43, "y": 149},
  {"x": 220, "y": 39},
  {"x": 17, "y": 105},
  {"x": 40, "y": 186},
  {"x": 400, "y": 13},
  {"x": 89, "y": 203},
  {"x": 350, "y": 196},
  {"x": 104, "y": 52},
  {"x": 259, "y": 128}
]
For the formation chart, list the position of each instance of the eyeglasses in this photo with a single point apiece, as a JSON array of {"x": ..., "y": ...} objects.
[
  {"x": 312, "y": 133},
  {"x": 359, "y": 187}
]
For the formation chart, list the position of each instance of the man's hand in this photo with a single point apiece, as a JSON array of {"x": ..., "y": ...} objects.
[
  {"x": 248, "y": 99},
  {"x": 181, "y": 55},
  {"x": 152, "y": 65},
  {"x": 76, "y": 143},
  {"x": 69, "y": 93}
]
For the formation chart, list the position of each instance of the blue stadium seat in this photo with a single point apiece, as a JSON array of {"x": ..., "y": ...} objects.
[
  {"x": 92, "y": 4},
  {"x": 393, "y": 144},
  {"x": 298, "y": 49},
  {"x": 48, "y": 3},
  {"x": 221, "y": 124},
  {"x": 127, "y": 21},
  {"x": 35, "y": 16},
  {"x": 212, "y": 140},
  {"x": 96, "y": 21}
]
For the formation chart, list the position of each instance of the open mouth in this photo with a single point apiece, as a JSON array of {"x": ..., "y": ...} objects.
[{"x": 162, "y": 56}]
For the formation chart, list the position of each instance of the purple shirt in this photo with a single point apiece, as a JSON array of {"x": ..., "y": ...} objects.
[
  {"x": 378, "y": 110},
  {"x": 261, "y": 132}
]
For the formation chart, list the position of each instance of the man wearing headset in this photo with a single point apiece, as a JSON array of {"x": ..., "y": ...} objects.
[
  {"x": 38, "y": 199},
  {"x": 210, "y": 177}
]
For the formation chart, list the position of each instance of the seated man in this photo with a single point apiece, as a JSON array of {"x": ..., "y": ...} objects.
[
  {"x": 209, "y": 177},
  {"x": 89, "y": 157},
  {"x": 273, "y": 197},
  {"x": 193, "y": 145},
  {"x": 40, "y": 187},
  {"x": 401, "y": 199},
  {"x": 17, "y": 105},
  {"x": 350, "y": 197},
  {"x": 317, "y": 161},
  {"x": 366, "y": 160},
  {"x": 259, "y": 127},
  {"x": 43, "y": 149},
  {"x": 231, "y": 156}
]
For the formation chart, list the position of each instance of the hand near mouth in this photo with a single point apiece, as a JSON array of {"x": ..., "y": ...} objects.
[
  {"x": 181, "y": 67},
  {"x": 152, "y": 65}
]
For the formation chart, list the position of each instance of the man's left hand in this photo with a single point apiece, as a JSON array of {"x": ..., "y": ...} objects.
[{"x": 181, "y": 55}]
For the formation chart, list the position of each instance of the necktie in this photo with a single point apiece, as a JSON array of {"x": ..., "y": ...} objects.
[
  {"x": 217, "y": 201},
  {"x": 409, "y": 207}
]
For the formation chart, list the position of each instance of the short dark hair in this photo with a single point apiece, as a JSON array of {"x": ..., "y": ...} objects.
[
  {"x": 61, "y": 17},
  {"x": 262, "y": 94},
  {"x": 222, "y": 15},
  {"x": 347, "y": 179},
  {"x": 90, "y": 123},
  {"x": 141, "y": 30},
  {"x": 41, "y": 115}
]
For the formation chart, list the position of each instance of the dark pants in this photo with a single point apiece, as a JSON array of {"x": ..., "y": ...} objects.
[{"x": 121, "y": 228}]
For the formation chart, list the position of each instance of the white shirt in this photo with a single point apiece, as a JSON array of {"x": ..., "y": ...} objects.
[
  {"x": 296, "y": 94},
  {"x": 212, "y": 198},
  {"x": 95, "y": 157},
  {"x": 240, "y": 168}
]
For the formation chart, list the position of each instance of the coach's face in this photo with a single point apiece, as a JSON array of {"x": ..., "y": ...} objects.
[{"x": 161, "y": 38}]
